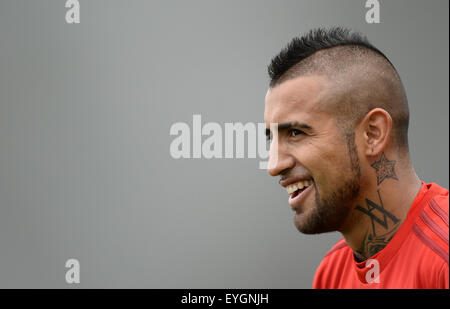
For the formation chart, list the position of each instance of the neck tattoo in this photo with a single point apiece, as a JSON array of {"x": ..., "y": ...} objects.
[{"x": 384, "y": 224}]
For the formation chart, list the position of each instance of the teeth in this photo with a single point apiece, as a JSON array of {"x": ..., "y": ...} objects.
[
  {"x": 299, "y": 185},
  {"x": 290, "y": 189}
]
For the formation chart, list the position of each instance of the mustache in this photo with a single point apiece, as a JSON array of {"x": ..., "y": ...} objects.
[{"x": 294, "y": 175}]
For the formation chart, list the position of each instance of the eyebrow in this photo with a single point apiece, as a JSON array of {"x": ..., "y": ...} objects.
[{"x": 289, "y": 125}]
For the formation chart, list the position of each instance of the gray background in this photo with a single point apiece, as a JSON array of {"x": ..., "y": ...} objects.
[{"x": 85, "y": 112}]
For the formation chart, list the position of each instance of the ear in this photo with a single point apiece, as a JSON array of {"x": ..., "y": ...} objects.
[{"x": 377, "y": 127}]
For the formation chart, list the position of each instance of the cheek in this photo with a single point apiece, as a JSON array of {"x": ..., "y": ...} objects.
[{"x": 329, "y": 165}]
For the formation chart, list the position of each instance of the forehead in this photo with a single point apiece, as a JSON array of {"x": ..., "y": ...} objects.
[{"x": 299, "y": 99}]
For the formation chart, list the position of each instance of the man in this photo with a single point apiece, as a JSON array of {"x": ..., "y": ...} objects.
[{"x": 343, "y": 157}]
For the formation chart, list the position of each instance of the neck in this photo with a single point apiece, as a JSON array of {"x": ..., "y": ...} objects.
[{"x": 382, "y": 206}]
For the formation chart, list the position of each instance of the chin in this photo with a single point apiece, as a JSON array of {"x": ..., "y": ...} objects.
[
  {"x": 311, "y": 222},
  {"x": 304, "y": 224}
]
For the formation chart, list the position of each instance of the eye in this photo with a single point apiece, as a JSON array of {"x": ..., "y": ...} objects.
[
  {"x": 268, "y": 135},
  {"x": 295, "y": 132}
]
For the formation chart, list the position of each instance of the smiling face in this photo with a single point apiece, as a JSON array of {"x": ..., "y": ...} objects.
[{"x": 317, "y": 163}]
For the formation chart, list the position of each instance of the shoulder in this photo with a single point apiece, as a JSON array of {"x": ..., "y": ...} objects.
[
  {"x": 337, "y": 246},
  {"x": 431, "y": 226},
  {"x": 332, "y": 265},
  {"x": 426, "y": 249}
]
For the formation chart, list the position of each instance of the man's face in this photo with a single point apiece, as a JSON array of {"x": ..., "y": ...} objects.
[{"x": 317, "y": 165}]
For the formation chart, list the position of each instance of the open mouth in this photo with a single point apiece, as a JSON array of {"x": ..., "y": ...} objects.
[
  {"x": 298, "y": 187},
  {"x": 295, "y": 191}
]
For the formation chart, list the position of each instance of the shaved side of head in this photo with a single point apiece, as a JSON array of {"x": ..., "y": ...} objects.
[{"x": 360, "y": 78}]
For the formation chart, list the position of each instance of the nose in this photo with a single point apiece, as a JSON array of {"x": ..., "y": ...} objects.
[{"x": 279, "y": 161}]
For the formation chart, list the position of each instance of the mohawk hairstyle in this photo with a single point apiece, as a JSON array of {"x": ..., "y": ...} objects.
[
  {"x": 315, "y": 40},
  {"x": 361, "y": 76}
]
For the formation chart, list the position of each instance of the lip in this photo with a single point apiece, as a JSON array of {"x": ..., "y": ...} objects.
[
  {"x": 296, "y": 202},
  {"x": 290, "y": 181}
]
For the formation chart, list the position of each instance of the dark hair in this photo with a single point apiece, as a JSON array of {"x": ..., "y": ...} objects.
[
  {"x": 315, "y": 40},
  {"x": 344, "y": 52}
]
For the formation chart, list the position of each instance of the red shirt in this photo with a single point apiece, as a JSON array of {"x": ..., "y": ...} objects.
[{"x": 416, "y": 257}]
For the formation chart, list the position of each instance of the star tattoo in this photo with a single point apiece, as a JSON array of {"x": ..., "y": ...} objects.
[{"x": 384, "y": 169}]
